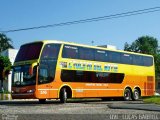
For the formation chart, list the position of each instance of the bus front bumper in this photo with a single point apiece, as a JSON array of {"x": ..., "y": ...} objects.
[{"x": 23, "y": 96}]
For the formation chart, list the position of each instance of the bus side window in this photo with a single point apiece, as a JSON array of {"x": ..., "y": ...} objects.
[
  {"x": 114, "y": 57},
  {"x": 115, "y": 78},
  {"x": 70, "y": 52},
  {"x": 53, "y": 52},
  {"x": 86, "y": 53},
  {"x": 101, "y": 55},
  {"x": 45, "y": 53},
  {"x": 137, "y": 60},
  {"x": 126, "y": 58},
  {"x": 50, "y": 51},
  {"x": 68, "y": 75},
  {"x": 43, "y": 74},
  {"x": 148, "y": 61}
]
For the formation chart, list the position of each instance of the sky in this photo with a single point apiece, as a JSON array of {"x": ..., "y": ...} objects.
[{"x": 15, "y": 14}]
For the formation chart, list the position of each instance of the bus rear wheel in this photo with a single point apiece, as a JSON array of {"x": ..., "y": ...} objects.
[
  {"x": 63, "y": 95},
  {"x": 136, "y": 94},
  {"x": 127, "y": 94}
]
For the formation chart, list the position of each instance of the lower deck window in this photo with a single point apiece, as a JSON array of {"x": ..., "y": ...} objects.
[{"x": 90, "y": 76}]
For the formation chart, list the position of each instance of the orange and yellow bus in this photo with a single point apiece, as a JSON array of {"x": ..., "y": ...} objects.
[{"x": 61, "y": 70}]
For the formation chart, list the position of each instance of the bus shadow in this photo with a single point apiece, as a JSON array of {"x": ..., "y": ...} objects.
[
  {"x": 26, "y": 103},
  {"x": 36, "y": 102},
  {"x": 76, "y": 100},
  {"x": 48, "y": 102},
  {"x": 69, "y": 101}
]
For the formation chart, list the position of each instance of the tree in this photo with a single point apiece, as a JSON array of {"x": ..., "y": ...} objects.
[
  {"x": 5, "y": 42},
  {"x": 5, "y": 66},
  {"x": 146, "y": 45}
]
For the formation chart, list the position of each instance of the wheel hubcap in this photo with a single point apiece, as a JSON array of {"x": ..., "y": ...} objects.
[
  {"x": 136, "y": 95},
  {"x": 127, "y": 95}
]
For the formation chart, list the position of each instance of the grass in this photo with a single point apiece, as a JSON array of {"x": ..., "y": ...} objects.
[{"x": 153, "y": 99}]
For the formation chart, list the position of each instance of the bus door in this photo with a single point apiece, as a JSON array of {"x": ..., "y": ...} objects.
[
  {"x": 43, "y": 86},
  {"x": 46, "y": 70}
]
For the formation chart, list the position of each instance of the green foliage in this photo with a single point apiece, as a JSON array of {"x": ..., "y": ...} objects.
[
  {"x": 5, "y": 42},
  {"x": 5, "y": 92},
  {"x": 6, "y": 61},
  {"x": 146, "y": 45},
  {"x": 5, "y": 65},
  {"x": 157, "y": 65}
]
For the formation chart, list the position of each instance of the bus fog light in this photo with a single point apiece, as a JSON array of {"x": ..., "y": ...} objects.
[{"x": 30, "y": 91}]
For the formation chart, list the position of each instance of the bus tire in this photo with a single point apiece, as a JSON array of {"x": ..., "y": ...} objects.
[
  {"x": 136, "y": 95},
  {"x": 127, "y": 94},
  {"x": 42, "y": 101},
  {"x": 63, "y": 95}
]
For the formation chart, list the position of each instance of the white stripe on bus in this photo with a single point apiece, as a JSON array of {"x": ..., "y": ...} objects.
[{"x": 83, "y": 89}]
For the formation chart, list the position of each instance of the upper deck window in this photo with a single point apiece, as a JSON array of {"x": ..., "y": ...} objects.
[
  {"x": 70, "y": 52},
  {"x": 126, "y": 58},
  {"x": 147, "y": 61},
  {"x": 50, "y": 51},
  {"x": 138, "y": 60},
  {"x": 114, "y": 57},
  {"x": 101, "y": 55},
  {"x": 29, "y": 52},
  {"x": 86, "y": 53}
]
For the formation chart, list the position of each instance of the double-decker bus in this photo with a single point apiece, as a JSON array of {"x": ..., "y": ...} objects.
[{"x": 61, "y": 70}]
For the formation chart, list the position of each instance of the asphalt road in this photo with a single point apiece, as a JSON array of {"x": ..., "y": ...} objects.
[{"x": 78, "y": 109}]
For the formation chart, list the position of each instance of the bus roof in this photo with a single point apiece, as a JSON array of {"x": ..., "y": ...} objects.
[{"x": 83, "y": 45}]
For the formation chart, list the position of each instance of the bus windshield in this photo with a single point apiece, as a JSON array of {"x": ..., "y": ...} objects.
[
  {"x": 29, "y": 52},
  {"x": 22, "y": 77}
]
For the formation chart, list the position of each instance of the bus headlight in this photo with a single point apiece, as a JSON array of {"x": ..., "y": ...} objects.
[
  {"x": 12, "y": 92},
  {"x": 31, "y": 91}
]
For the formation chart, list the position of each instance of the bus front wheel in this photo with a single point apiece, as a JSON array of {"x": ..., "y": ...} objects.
[
  {"x": 127, "y": 94},
  {"x": 63, "y": 95}
]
